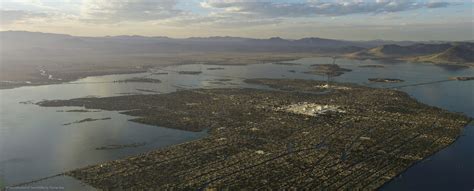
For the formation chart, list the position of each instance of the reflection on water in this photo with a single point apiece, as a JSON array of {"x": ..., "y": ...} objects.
[{"x": 35, "y": 144}]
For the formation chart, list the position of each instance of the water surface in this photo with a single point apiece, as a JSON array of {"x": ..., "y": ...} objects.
[{"x": 34, "y": 143}]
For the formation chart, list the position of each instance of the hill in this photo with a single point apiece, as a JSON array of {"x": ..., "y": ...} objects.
[
  {"x": 446, "y": 53},
  {"x": 52, "y": 43},
  {"x": 455, "y": 54},
  {"x": 393, "y": 50}
]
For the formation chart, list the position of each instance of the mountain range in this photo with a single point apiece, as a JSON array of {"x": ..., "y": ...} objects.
[
  {"x": 25, "y": 41},
  {"x": 24, "y": 55},
  {"x": 441, "y": 53},
  {"x": 22, "y": 43}
]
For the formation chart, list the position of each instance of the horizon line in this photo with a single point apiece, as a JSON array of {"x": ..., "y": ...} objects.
[{"x": 274, "y": 37}]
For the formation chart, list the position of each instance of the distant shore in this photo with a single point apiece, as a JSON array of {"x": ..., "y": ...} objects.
[
  {"x": 32, "y": 76},
  {"x": 26, "y": 79}
]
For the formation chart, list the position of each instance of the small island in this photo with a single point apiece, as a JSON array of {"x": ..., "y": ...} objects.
[
  {"x": 139, "y": 80},
  {"x": 372, "y": 66},
  {"x": 120, "y": 146},
  {"x": 216, "y": 68},
  {"x": 159, "y": 73},
  {"x": 462, "y": 78},
  {"x": 190, "y": 72},
  {"x": 327, "y": 69},
  {"x": 87, "y": 120},
  {"x": 78, "y": 111},
  {"x": 385, "y": 80},
  {"x": 286, "y": 63},
  {"x": 147, "y": 90}
]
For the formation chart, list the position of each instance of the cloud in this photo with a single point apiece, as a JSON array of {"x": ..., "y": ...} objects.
[
  {"x": 36, "y": 4},
  {"x": 438, "y": 4},
  {"x": 11, "y": 16},
  {"x": 261, "y": 8},
  {"x": 217, "y": 21},
  {"x": 208, "y": 14},
  {"x": 128, "y": 10}
]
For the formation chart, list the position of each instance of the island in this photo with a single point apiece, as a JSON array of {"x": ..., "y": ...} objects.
[
  {"x": 286, "y": 63},
  {"x": 371, "y": 66},
  {"x": 139, "y": 79},
  {"x": 293, "y": 134},
  {"x": 120, "y": 146},
  {"x": 87, "y": 120},
  {"x": 190, "y": 72},
  {"x": 386, "y": 80},
  {"x": 216, "y": 68},
  {"x": 462, "y": 78},
  {"x": 327, "y": 69}
]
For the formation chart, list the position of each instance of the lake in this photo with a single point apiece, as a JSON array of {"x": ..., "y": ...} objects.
[{"x": 35, "y": 143}]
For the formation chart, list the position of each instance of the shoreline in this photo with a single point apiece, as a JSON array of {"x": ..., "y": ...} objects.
[
  {"x": 17, "y": 84},
  {"x": 77, "y": 75},
  {"x": 432, "y": 154},
  {"x": 23, "y": 84},
  {"x": 410, "y": 60},
  {"x": 214, "y": 131}
]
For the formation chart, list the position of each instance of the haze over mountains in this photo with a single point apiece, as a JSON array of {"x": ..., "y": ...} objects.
[
  {"x": 71, "y": 57},
  {"x": 18, "y": 40},
  {"x": 21, "y": 42},
  {"x": 441, "y": 53}
]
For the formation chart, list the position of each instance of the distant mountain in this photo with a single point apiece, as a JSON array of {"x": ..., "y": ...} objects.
[
  {"x": 15, "y": 43},
  {"x": 22, "y": 40},
  {"x": 46, "y": 45},
  {"x": 463, "y": 53},
  {"x": 392, "y": 50},
  {"x": 375, "y": 43},
  {"x": 326, "y": 42},
  {"x": 23, "y": 54},
  {"x": 456, "y": 52}
]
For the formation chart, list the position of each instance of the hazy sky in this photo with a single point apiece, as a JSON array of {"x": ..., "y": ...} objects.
[{"x": 341, "y": 19}]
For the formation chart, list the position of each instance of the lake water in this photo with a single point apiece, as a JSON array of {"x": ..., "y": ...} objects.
[{"x": 34, "y": 143}]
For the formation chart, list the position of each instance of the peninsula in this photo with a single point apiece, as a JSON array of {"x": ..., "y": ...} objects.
[{"x": 296, "y": 135}]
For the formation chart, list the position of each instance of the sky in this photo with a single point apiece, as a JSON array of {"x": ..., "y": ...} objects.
[{"x": 291, "y": 19}]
